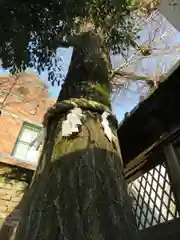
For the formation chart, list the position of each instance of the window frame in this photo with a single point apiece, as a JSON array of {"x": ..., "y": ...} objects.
[{"x": 25, "y": 125}]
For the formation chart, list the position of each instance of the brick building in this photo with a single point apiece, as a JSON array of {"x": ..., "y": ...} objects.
[{"x": 23, "y": 102}]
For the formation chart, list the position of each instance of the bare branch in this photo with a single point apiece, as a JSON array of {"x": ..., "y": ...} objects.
[{"x": 129, "y": 75}]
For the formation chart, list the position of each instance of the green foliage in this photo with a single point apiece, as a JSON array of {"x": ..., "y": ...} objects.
[{"x": 31, "y": 32}]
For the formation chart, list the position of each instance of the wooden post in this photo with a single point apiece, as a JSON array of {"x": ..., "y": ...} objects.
[{"x": 173, "y": 165}]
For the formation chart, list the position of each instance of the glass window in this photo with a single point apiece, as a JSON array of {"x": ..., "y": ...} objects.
[{"x": 24, "y": 150}]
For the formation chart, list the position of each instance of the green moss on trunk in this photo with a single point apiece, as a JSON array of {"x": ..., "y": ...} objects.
[
  {"x": 88, "y": 72},
  {"x": 79, "y": 191}
]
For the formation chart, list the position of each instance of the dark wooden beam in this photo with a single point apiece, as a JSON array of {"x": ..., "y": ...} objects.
[
  {"x": 164, "y": 231},
  {"x": 148, "y": 159},
  {"x": 173, "y": 168},
  {"x": 151, "y": 119}
]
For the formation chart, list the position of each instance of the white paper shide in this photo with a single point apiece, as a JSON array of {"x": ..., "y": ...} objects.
[
  {"x": 72, "y": 122},
  {"x": 105, "y": 124}
]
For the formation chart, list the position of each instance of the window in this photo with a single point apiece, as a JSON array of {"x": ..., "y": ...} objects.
[{"x": 23, "y": 149}]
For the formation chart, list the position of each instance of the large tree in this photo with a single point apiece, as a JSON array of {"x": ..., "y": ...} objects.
[{"x": 78, "y": 190}]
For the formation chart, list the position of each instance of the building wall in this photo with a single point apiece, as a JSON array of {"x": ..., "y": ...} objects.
[
  {"x": 22, "y": 99},
  {"x": 26, "y": 102},
  {"x": 13, "y": 182},
  {"x": 11, "y": 192},
  {"x": 10, "y": 129}
]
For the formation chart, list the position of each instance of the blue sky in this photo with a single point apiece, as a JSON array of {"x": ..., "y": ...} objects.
[
  {"x": 125, "y": 100},
  {"x": 166, "y": 38},
  {"x": 3, "y": 71}
]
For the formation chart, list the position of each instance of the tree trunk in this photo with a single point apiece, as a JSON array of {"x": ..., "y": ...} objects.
[{"x": 79, "y": 191}]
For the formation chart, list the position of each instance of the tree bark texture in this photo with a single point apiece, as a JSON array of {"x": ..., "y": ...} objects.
[
  {"x": 88, "y": 71},
  {"x": 79, "y": 190}
]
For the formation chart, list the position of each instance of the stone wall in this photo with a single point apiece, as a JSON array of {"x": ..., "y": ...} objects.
[{"x": 13, "y": 182}]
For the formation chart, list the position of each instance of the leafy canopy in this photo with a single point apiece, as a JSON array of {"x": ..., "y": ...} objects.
[{"x": 31, "y": 32}]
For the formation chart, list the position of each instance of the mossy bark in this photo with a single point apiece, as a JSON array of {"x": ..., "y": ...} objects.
[
  {"x": 79, "y": 190},
  {"x": 88, "y": 71}
]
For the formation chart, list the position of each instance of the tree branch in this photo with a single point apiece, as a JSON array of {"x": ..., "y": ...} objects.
[
  {"x": 120, "y": 77},
  {"x": 70, "y": 41},
  {"x": 129, "y": 75},
  {"x": 64, "y": 44}
]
